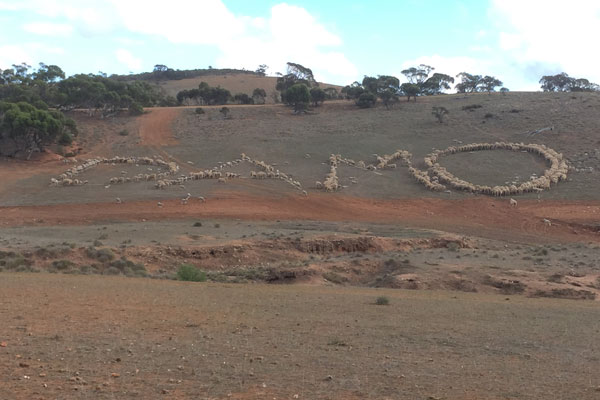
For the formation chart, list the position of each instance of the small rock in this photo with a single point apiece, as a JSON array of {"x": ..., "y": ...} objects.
[{"x": 328, "y": 378}]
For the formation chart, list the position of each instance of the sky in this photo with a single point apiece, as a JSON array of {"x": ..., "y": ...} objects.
[{"x": 517, "y": 41}]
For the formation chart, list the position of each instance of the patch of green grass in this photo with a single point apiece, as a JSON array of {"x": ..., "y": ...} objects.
[{"x": 190, "y": 273}]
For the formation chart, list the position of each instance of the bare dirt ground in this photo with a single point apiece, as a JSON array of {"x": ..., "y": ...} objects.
[
  {"x": 481, "y": 216},
  {"x": 139, "y": 338},
  {"x": 242, "y": 340}
]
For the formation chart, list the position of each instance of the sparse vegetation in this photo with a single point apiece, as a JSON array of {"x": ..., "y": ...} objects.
[
  {"x": 190, "y": 273},
  {"x": 382, "y": 301},
  {"x": 439, "y": 113}
]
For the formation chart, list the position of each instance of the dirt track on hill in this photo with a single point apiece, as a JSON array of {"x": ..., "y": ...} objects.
[
  {"x": 155, "y": 127},
  {"x": 571, "y": 221}
]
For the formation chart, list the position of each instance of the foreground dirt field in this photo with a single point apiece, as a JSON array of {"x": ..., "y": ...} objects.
[
  {"x": 490, "y": 313},
  {"x": 138, "y": 338}
]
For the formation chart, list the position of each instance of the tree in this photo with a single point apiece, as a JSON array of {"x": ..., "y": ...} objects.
[
  {"x": 370, "y": 84},
  {"x": 225, "y": 112},
  {"x": 489, "y": 83},
  {"x": 468, "y": 83},
  {"x": 259, "y": 95},
  {"x": 417, "y": 75},
  {"x": 353, "y": 91},
  {"x": 243, "y": 98},
  {"x": 317, "y": 95},
  {"x": 366, "y": 100},
  {"x": 436, "y": 84},
  {"x": 301, "y": 72},
  {"x": 296, "y": 74},
  {"x": 48, "y": 73},
  {"x": 564, "y": 83},
  {"x": 504, "y": 90},
  {"x": 24, "y": 127},
  {"x": 298, "y": 95},
  {"x": 439, "y": 113},
  {"x": 387, "y": 89},
  {"x": 262, "y": 69},
  {"x": 410, "y": 90},
  {"x": 331, "y": 93}
]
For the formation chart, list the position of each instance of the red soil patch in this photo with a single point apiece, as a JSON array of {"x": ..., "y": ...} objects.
[
  {"x": 485, "y": 217},
  {"x": 155, "y": 127}
]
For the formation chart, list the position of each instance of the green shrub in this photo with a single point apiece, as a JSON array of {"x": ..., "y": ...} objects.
[
  {"x": 382, "y": 301},
  {"x": 62, "y": 265},
  {"x": 366, "y": 100},
  {"x": 136, "y": 109},
  {"x": 190, "y": 273},
  {"x": 124, "y": 265},
  {"x": 124, "y": 132},
  {"x": 102, "y": 255},
  {"x": 199, "y": 111},
  {"x": 65, "y": 139}
]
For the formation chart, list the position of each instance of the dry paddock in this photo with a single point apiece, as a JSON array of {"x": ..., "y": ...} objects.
[{"x": 82, "y": 337}]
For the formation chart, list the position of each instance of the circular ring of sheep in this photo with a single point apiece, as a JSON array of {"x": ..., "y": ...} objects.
[{"x": 556, "y": 172}]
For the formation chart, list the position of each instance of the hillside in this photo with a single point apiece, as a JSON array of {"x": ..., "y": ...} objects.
[
  {"x": 235, "y": 83},
  {"x": 472, "y": 279}
]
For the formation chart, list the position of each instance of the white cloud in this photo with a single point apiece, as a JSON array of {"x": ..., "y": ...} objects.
[
  {"x": 11, "y": 54},
  {"x": 126, "y": 58},
  {"x": 272, "y": 44},
  {"x": 242, "y": 41},
  {"x": 28, "y": 53},
  {"x": 551, "y": 34},
  {"x": 48, "y": 29},
  {"x": 191, "y": 21}
]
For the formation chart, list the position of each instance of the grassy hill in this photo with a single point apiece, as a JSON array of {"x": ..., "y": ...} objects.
[{"x": 235, "y": 83}]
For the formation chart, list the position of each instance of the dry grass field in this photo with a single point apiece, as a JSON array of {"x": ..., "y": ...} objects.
[
  {"x": 74, "y": 337},
  {"x": 486, "y": 300}
]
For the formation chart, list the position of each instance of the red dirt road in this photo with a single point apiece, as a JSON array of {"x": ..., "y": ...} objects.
[
  {"x": 571, "y": 221},
  {"x": 155, "y": 127}
]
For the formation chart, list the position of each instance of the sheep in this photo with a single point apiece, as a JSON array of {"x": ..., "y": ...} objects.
[
  {"x": 118, "y": 200},
  {"x": 159, "y": 204},
  {"x": 547, "y": 222},
  {"x": 513, "y": 202}
]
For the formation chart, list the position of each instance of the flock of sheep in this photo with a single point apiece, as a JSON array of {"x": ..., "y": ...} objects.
[
  {"x": 163, "y": 179},
  {"x": 434, "y": 178},
  {"x": 557, "y": 172},
  {"x": 437, "y": 177},
  {"x": 68, "y": 178}
]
